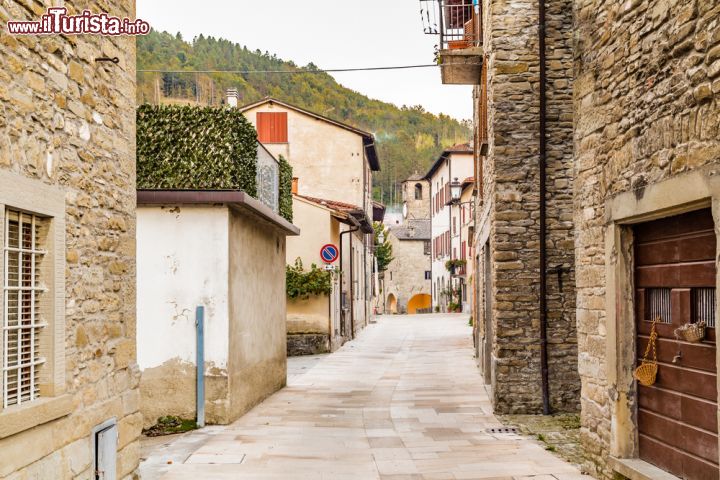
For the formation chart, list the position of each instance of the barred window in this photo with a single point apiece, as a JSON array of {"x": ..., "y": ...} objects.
[
  {"x": 658, "y": 304},
  {"x": 25, "y": 236},
  {"x": 704, "y": 305}
]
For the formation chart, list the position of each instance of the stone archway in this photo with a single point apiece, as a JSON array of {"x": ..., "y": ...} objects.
[
  {"x": 421, "y": 301},
  {"x": 391, "y": 304}
]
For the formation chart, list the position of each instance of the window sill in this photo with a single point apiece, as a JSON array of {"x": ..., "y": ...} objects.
[
  {"x": 16, "y": 419},
  {"x": 636, "y": 469}
]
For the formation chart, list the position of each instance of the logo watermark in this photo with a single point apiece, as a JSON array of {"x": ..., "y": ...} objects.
[{"x": 57, "y": 22}]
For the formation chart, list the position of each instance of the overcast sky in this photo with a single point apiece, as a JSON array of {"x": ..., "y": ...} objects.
[{"x": 331, "y": 34}]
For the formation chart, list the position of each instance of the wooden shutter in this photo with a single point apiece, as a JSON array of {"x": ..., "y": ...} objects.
[{"x": 272, "y": 127}]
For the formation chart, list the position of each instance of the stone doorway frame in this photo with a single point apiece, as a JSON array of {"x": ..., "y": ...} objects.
[{"x": 681, "y": 194}]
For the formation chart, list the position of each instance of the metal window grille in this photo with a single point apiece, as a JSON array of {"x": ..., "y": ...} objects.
[
  {"x": 658, "y": 304},
  {"x": 704, "y": 302},
  {"x": 22, "y": 322}
]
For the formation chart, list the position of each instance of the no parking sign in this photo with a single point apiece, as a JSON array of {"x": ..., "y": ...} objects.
[{"x": 329, "y": 253}]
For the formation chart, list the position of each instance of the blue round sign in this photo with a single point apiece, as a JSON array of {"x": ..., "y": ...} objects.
[{"x": 329, "y": 253}]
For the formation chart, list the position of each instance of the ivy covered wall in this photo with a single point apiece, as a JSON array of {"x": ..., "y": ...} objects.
[
  {"x": 202, "y": 148},
  {"x": 195, "y": 148}
]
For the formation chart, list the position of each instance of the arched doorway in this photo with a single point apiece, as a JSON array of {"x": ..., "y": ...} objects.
[
  {"x": 421, "y": 301},
  {"x": 391, "y": 304}
]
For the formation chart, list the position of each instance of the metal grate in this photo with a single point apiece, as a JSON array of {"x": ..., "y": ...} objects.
[
  {"x": 509, "y": 430},
  {"x": 22, "y": 292},
  {"x": 658, "y": 304},
  {"x": 704, "y": 304}
]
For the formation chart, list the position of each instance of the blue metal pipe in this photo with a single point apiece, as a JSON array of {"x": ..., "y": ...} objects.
[{"x": 200, "y": 363}]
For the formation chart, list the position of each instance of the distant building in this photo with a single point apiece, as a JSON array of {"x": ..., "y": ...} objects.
[
  {"x": 332, "y": 162},
  {"x": 315, "y": 325},
  {"x": 407, "y": 281},
  {"x": 453, "y": 165},
  {"x": 416, "y": 198}
]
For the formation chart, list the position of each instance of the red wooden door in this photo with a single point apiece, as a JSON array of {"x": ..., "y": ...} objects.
[{"x": 675, "y": 277}]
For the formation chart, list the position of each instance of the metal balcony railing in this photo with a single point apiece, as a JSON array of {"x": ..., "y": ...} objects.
[{"x": 457, "y": 22}]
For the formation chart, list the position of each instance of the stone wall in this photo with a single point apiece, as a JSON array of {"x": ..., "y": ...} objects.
[
  {"x": 647, "y": 75},
  {"x": 405, "y": 276},
  {"x": 69, "y": 122},
  {"x": 509, "y": 211}
]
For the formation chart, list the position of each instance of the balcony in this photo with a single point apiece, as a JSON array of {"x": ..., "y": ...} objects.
[{"x": 458, "y": 23}]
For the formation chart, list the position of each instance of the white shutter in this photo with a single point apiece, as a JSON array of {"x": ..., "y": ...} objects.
[{"x": 23, "y": 292}]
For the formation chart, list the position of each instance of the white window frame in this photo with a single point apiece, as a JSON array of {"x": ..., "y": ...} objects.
[{"x": 32, "y": 195}]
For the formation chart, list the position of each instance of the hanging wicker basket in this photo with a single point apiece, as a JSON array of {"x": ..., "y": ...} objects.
[
  {"x": 692, "y": 332},
  {"x": 646, "y": 373}
]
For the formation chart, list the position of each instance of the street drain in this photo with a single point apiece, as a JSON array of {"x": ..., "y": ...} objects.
[{"x": 508, "y": 430}]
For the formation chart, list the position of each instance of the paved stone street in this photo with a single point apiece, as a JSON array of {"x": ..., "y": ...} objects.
[{"x": 403, "y": 401}]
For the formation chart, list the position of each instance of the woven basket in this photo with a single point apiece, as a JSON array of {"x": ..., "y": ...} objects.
[
  {"x": 646, "y": 374},
  {"x": 692, "y": 332}
]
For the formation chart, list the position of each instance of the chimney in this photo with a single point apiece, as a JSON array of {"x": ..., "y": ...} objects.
[
  {"x": 232, "y": 97},
  {"x": 295, "y": 185}
]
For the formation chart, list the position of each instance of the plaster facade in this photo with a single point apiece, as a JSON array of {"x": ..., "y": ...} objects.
[
  {"x": 67, "y": 154},
  {"x": 220, "y": 257},
  {"x": 332, "y": 162},
  {"x": 446, "y": 240}
]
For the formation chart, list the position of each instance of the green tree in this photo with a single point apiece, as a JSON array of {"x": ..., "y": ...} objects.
[{"x": 384, "y": 250}]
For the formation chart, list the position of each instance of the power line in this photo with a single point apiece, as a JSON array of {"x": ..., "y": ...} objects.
[{"x": 331, "y": 70}]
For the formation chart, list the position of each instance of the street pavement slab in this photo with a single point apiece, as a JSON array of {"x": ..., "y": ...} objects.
[{"x": 404, "y": 400}]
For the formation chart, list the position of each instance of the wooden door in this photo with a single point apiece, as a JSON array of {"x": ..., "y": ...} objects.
[{"x": 675, "y": 277}]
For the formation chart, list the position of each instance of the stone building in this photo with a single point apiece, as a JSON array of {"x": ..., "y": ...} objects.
[
  {"x": 647, "y": 210},
  {"x": 524, "y": 245},
  {"x": 69, "y": 402},
  {"x": 416, "y": 198},
  {"x": 407, "y": 281}
]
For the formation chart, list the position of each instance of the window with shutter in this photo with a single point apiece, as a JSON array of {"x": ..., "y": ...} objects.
[
  {"x": 23, "y": 292},
  {"x": 272, "y": 127}
]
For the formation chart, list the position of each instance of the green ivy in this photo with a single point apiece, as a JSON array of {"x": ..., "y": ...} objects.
[
  {"x": 286, "y": 201},
  {"x": 302, "y": 285},
  {"x": 195, "y": 148}
]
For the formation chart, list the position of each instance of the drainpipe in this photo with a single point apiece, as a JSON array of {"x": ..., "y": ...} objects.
[
  {"x": 542, "y": 164},
  {"x": 200, "y": 365},
  {"x": 351, "y": 230}
]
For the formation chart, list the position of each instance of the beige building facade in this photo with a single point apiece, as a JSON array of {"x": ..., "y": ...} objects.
[
  {"x": 67, "y": 210},
  {"x": 332, "y": 163},
  {"x": 316, "y": 324}
]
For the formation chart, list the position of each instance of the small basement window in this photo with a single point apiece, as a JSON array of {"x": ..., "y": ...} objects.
[
  {"x": 704, "y": 306},
  {"x": 657, "y": 301}
]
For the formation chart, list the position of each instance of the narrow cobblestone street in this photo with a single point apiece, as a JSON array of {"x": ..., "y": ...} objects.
[{"x": 403, "y": 401}]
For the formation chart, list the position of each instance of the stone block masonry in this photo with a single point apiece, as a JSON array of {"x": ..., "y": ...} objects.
[
  {"x": 509, "y": 212},
  {"x": 647, "y": 78},
  {"x": 68, "y": 123}
]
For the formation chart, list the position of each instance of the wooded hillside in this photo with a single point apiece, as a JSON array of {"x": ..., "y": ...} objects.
[{"x": 408, "y": 138}]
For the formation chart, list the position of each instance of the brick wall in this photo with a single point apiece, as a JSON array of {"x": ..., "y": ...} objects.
[{"x": 69, "y": 122}]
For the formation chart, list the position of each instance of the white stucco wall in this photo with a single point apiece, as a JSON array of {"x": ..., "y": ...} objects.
[{"x": 182, "y": 262}]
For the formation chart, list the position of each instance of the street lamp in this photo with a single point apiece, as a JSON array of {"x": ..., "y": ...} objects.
[{"x": 455, "y": 190}]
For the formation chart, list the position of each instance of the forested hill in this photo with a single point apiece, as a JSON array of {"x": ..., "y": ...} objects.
[{"x": 408, "y": 138}]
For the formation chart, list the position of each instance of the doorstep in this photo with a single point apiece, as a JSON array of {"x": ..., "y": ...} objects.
[{"x": 636, "y": 469}]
